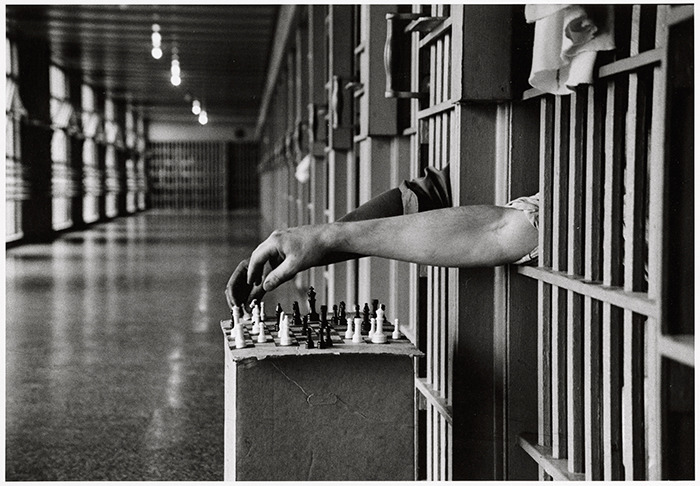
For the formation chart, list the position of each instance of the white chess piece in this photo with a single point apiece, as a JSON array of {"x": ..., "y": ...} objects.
[
  {"x": 236, "y": 313},
  {"x": 372, "y": 326},
  {"x": 261, "y": 335},
  {"x": 256, "y": 321},
  {"x": 262, "y": 311},
  {"x": 240, "y": 336},
  {"x": 357, "y": 337},
  {"x": 348, "y": 331},
  {"x": 378, "y": 336},
  {"x": 285, "y": 339},
  {"x": 396, "y": 334}
]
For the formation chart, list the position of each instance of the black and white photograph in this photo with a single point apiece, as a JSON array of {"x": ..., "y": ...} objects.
[{"x": 349, "y": 242}]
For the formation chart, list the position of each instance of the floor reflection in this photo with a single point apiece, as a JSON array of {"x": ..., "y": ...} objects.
[{"x": 114, "y": 368}]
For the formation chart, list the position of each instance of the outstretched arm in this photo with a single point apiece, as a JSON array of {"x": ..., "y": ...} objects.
[{"x": 469, "y": 236}]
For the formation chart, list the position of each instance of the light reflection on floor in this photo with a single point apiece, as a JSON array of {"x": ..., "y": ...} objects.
[{"x": 114, "y": 365}]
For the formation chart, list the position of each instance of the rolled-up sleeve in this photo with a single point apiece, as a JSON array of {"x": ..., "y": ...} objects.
[
  {"x": 530, "y": 206},
  {"x": 432, "y": 191}
]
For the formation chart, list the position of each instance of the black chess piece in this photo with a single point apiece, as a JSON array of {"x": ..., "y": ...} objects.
[
  {"x": 334, "y": 319},
  {"x": 329, "y": 341},
  {"x": 296, "y": 314},
  {"x": 375, "y": 306},
  {"x": 309, "y": 339},
  {"x": 322, "y": 340},
  {"x": 324, "y": 317},
  {"x": 357, "y": 311},
  {"x": 342, "y": 313},
  {"x": 278, "y": 312},
  {"x": 313, "y": 315},
  {"x": 305, "y": 324},
  {"x": 366, "y": 325}
]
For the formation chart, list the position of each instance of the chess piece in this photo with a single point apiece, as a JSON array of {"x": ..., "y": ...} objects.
[
  {"x": 296, "y": 314},
  {"x": 240, "y": 337},
  {"x": 341, "y": 313},
  {"x": 379, "y": 337},
  {"x": 322, "y": 339},
  {"x": 285, "y": 339},
  {"x": 365, "y": 319},
  {"x": 348, "y": 331},
  {"x": 329, "y": 340},
  {"x": 396, "y": 334},
  {"x": 278, "y": 311},
  {"x": 256, "y": 321},
  {"x": 236, "y": 315},
  {"x": 305, "y": 324},
  {"x": 313, "y": 315},
  {"x": 262, "y": 337},
  {"x": 324, "y": 317},
  {"x": 372, "y": 326},
  {"x": 357, "y": 337},
  {"x": 334, "y": 319},
  {"x": 262, "y": 311},
  {"x": 309, "y": 339},
  {"x": 375, "y": 306}
]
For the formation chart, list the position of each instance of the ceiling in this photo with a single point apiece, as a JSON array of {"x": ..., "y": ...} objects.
[{"x": 223, "y": 51}]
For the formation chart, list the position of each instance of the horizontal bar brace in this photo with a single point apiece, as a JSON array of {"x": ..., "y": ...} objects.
[
  {"x": 435, "y": 400},
  {"x": 634, "y": 301}
]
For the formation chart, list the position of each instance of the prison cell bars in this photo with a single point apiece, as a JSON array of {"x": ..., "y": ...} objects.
[
  {"x": 435, "y": 123},
  {"x": 188, "y": 175},
  {"x": 616, "y": 437}
]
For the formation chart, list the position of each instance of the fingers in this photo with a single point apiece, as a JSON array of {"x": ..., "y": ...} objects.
[
  {"x": 266, "y": 251},
  {"x": 237, "y": 287},
  {"x": 279, "y": 275}
]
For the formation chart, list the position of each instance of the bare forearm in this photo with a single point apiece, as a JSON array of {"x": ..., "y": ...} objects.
[{"x": 469, "y": 236}]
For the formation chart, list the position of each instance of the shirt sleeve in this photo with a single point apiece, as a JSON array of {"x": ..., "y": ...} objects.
[
  {"x": 530, "y": 205},
  {"x": 432, "y": 191}
]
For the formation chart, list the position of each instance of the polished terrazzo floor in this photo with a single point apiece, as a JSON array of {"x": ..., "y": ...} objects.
[{"x": 114, "y": 360}]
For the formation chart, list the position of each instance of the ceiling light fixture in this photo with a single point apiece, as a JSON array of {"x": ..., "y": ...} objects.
[
  {"x": 196, "y": 107},
  {"x": 203, "y": 118},
  {"x": 175, "y": 69},
  {"x": 156, "y": 52}
]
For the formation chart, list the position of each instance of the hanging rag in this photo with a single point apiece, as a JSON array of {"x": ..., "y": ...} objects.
[{"x": 567, "y": 40}]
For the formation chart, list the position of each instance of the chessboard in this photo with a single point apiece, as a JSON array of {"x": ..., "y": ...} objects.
[{"x": 363, "y": 331}]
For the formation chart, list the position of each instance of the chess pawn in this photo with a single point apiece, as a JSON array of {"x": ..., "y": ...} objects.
[
  {"x": 322, "y": 344},
  {"x": 335, "y": 317},
  {"x": 285, "y": 340},
  {"x": 372, "y": 326},
  {"x": 280, "y": 321},
  {"x": 357, "y": 337},
  {"x": 375, "y": 306},
  {"x": 309, "y": 339},
  {"x": 378, "y": 337},
  {"x": 324, "y": 316},
  {"x": 240, "y": 336},
  {"x": 396, "y": 334},
  {"x": 348, "y": 331},
  {"x": 236, "y": 315},
  {"x": 305, "y": 324},
  {"x": 365, "y": 319},
  {"x": 341, "y": 312},
  {"x": 329, "y": 340},
  {"x": 256, "y": 321},
  {"x": 296, "y": 314},
  {"x": 262, "y": 338},
  {"x": 278, "y": 312},
  {"x": 262, "y": 311}
]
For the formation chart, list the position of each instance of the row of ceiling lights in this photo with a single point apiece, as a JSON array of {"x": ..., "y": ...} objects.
[{"x": 175, "y": 79}]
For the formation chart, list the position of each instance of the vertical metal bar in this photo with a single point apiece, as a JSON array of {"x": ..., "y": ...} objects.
[
  {"x": 544, "y": 324},
  {"x": 574, "y": 331},
  {"x": 611, "y": 332},
  {"x": 657, "y": 157},
  {"x": 592, "y": 308},
  {"x": 633, "y": 213},
  {"x": 559, "y": 385}
]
